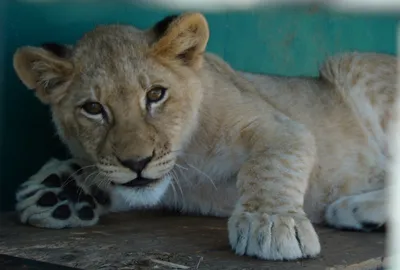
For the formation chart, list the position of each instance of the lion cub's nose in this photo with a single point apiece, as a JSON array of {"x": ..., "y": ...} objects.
[{"x": 136, "y": 165}]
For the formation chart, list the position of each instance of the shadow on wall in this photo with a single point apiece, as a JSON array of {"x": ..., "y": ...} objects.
[{"x": 290, "y": 41}]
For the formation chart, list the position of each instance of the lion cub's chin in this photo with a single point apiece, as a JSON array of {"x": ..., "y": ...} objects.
[{"x": 144, "y": 196}]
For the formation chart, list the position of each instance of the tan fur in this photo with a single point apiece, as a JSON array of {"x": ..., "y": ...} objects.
[{"x": 270, "y": 152}]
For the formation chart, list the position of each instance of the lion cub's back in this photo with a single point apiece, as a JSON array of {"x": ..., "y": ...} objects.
[{"x": 348, "y": 109}]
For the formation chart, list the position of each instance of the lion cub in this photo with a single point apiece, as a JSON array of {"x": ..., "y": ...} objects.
[{"x": 152, "y": 120}]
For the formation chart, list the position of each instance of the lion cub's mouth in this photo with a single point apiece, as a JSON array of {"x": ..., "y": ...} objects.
[{"x": 140, "y": 182}]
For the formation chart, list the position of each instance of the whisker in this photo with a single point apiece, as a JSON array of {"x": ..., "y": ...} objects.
[
  {"x": 105, "y": 181},
  {"x": 181, "y": 167},
  {"x": 180, "y": 188},
  {"x": 183, "y": 176},
  {"x": 172, "y": 183},
  {"x": 87, "y": 178},
  {"x": 204, "y": 174},
  {"x": 190, "y": 154},
  {"x": 84, "y": 183},
  {"x": 182, "y": 153},
  {"x": 69, "y": 179},
  {"x": 82, "y": 168},
  {"x": 177, "y": 183}
]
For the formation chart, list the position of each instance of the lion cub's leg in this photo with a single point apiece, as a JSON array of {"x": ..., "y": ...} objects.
[
  {"x": 55, "y": 197},
  {"x": 269, "y": 221},
  {"x": 364, "y": 212}
]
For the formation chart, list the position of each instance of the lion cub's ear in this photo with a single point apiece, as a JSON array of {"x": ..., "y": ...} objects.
[
  {"x": 184, "y": 40},
  {"x": 46, "y": 69}
]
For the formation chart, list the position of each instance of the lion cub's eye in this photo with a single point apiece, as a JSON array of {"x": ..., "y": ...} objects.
[
  {"x": 156, "y": 94},
  {"x": 93, "y": 108}
]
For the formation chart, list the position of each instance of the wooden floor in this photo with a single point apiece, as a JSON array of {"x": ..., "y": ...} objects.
[{"x": 166, "y": 241}]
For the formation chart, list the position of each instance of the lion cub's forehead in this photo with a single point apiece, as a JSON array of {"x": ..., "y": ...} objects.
[
  {"x": 111, "y": 48},
  {"x": 113, "y": 57}
]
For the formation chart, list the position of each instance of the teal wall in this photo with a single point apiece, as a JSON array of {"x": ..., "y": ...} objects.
[{"x": 288, "y": 41}]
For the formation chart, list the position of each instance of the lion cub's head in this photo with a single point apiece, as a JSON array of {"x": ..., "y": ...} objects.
[{"x": 124, "y": 99}]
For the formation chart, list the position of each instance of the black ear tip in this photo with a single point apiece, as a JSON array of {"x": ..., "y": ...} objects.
[
  {"x": 57, "y": 49},
  {"x": 162, "y": 26},
  {"x": 171, "y": 17}
]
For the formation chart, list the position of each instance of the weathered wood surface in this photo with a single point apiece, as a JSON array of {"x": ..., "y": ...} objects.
[{"x": 167, "y": 241}]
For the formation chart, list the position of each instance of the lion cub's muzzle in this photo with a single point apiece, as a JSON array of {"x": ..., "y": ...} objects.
[
  {"x": 137, "y": 165},
  {"x": 140, "y": 182}
]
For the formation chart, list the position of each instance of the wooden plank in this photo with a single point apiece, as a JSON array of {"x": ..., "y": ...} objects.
[
  {"x": 372, "y": 264},
  {"x": 14, "y": 263},
  {"x": 155, "y": 240}
]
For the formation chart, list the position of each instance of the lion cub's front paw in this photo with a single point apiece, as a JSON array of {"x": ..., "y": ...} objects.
[
  {"x": 272, "y": 237},
  {"x": 55, "y": 198}
]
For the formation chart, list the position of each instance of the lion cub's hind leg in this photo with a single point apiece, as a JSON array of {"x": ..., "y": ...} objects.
[
  {"x": 55, "y": 197},
  {"x": 362, "y": 212}
]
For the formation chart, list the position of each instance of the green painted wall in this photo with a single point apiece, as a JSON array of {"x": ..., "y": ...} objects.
[{"x": 289, "y": 41}]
